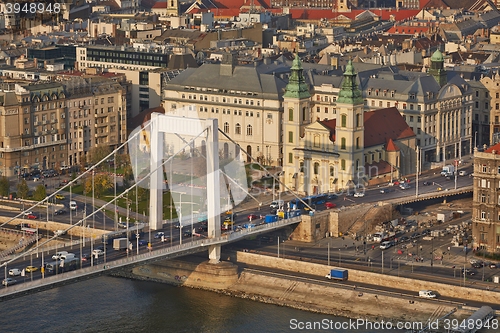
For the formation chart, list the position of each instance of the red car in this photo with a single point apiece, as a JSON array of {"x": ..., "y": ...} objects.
[
  {"x": 32, "y": 216},
  {"x": 253, "y": 217},
  {"x": 329, "y": 205}
]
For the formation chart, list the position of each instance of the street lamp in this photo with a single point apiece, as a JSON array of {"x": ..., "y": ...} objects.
[{"x": 340, "y": 256}]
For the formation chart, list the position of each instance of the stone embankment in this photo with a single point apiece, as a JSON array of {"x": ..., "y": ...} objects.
[{"x": 318, "y": 296}]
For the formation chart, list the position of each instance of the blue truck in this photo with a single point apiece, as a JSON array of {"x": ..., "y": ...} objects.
[{"x": 337, "y": 274}]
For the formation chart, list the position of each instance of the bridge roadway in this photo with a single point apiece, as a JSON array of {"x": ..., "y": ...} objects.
[
  {"x": 431, "y": 195},
  {"x": 49, "y": 282}
]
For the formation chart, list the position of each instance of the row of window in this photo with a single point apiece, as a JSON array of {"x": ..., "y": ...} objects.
[
  {"x": 224, "y": 99},
  {"x": 237, "y": 129},
  {"x": 228, "y": 111}
]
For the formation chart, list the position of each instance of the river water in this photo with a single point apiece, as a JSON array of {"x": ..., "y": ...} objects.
[{"x": 109, "y": 304}]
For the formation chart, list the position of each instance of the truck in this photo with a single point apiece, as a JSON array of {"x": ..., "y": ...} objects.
[
  {"x": 448, "y": 170},
  {"x": 337, "y": 274},
  {"x": 120, "y": 243}
]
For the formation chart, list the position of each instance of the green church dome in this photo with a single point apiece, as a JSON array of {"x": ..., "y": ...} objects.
[{"x": 437, "y": 56}]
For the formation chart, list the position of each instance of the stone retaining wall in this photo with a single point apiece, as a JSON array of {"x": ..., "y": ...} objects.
[{"x": 372, "y": 278}]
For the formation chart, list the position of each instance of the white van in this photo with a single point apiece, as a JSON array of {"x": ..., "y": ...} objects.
[
  {"x": 72, "y": 205},
  {"x": 427, "y": 294},
  {"x": 277, "y": 204},
  {"x": 67, "y": 256},
  {"x": 58, "y": 255}
]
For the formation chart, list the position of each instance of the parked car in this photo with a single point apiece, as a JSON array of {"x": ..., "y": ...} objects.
[
  {"x": 14, "y": 272},
  {"x": 8, "y": 281},
  {"x": 403, "y": 239}
]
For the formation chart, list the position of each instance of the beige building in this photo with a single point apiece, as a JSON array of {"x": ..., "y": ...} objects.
[
  {"x": 488, "y": 113},
  {"x": 33, "y": 127},
  {"x": 486, "y": 200}
]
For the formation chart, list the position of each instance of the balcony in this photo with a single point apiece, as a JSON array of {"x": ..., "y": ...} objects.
[
  {"x": 101, "y": 115},
  {"x": 100, "y": 135},
  {"x": 101, "y": 124}
]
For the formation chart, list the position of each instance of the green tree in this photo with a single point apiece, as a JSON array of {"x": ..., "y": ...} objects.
[
  {"x": 4, "y": 186},
  {"x": 22, "y": 189},
  {"x": 102, "y": 183},
  {"x": 98, "y": 153},
  {"x": 40, "y": 193},
  {"x": 128, "y": 176}
]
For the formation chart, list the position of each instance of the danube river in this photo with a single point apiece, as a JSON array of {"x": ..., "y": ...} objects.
[{"x": 108, "y": 304}]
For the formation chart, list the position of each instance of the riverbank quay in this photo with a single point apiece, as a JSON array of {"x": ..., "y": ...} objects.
[{"x": 274, "y": 283}]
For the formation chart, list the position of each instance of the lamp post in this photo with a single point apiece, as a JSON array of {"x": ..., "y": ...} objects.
[
  {"x": 340, "y": 257},
  {"x": 475, "y": 139},
  {"x": 328, "y": 253}
]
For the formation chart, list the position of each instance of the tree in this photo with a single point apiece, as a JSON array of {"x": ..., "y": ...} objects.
[
  {"x": 22, "y": 189},
  {"x": 102, "y": 183},
  {"x": 99, "y": 153},
  {"x": 4, "y": 186},
  {"x": 122, "y": 160},
  {"x": 128, "y": 175},
  {"x": 40, "y": 193}
]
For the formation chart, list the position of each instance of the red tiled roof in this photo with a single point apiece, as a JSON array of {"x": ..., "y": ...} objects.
[
  {"x": 160, "y": 5},
  {"x": 330, "y": 124},
  {"x": 377, "y": 168},
  {"x": 385, "y": 13},
  {"x": 383, "y": 124},
  {"x": 391, "y": 146},
  {"x": 143, "y": 117},
  {"x": 496, "y": 148}
]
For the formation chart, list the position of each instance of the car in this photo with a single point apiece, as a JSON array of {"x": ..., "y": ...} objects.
[
  {"x": 251, "y": 217},
  {"x": 85, "y": 257},
  {"x": 159, "y": 234},
  {"x": 143, "y": 242},
  {"x": 203, "y": 228},
  {"x": 404, "y": 186},
  {"x": 427, "y": 294},
  {"x": 32, "y": 216},
  {"x": 60, "y": 197},
  {"x": 359, "y": 194},
  {"x": 415, "y": 235},
  {"x": 330, "y": 205},
  {"x": 122, "y": 225},
  {"x": 470, "y": 272},
  {"x": 493, "y": 265},
  {"x": 30, "y": 269},
  {"x": 462, "y": 173},
  {"x": 60, "y": 212},
  {"x": 97, "y": 252},
  {"x": 477, "y": 265},
  {"x": 177, "y": 225},
  {"x": 28, "y": 213},
  {"x": 187, "y": 234},
  {"x": 427, "y": 183},
  {"x": 404, "y": 239},
  {"x": 36, "y": 178},
  {"x": 8, "y": 281},
  {"x": 386, "y": 190},
  {"x": 14, "y": 272},
  {"x": 385, "y": 245}
]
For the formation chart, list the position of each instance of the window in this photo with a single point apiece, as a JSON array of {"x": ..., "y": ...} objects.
[
  {"x": 290, "y": 114},
  {"x": 342, "y": 164},
  {"x": 483, "y": 215},
  {"x": 332, "y": 171},
  {"x": 290, "y": 137},
  {"x": 358, "y": 120},
  {"x": 316, "y": 168},
  {"x": 226, "y": 127},
  {"x": 343, "y": 120},
  {"x": 249, "y": 130},
  {"x": 357, "y": 143},
  {"x": 342, "y": 143},
  {"x": 237, "y": 129},
  {"x": 290, "y": 158}
]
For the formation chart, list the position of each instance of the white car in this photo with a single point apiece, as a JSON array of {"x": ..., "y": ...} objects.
[
  {"x": 359, "y": 194},
  {"x": 427, "y": 294},
  {"x": 462, "y": 173},
  {"x": 98, "y": 252},
  {"x": 385, "y": 245},
  {"x": 15, "y": 272}
]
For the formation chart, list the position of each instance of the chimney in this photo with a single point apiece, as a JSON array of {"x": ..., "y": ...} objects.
[{"x": 228, "y": 63}]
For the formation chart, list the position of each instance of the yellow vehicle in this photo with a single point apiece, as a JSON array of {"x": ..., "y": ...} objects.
[
  {"x": 439, "y": 188},
  {"x": 60, "y": 197},
  {"x": 31, "y": 269}
]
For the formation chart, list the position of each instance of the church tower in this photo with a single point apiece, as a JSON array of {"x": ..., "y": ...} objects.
[
  {"x": 349, "y": 131},
  {"x": 437, "y": 68},
  {"x": 296, "y": 114},
  {"x": 173, "y": 8}
]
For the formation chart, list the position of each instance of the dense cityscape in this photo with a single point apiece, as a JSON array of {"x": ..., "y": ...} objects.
[{"x": 334, "y": 156}]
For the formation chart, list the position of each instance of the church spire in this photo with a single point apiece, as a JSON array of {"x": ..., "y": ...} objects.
[
  {"x": 297, "y": 86},
  {"x": 349, "y": 92}
]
